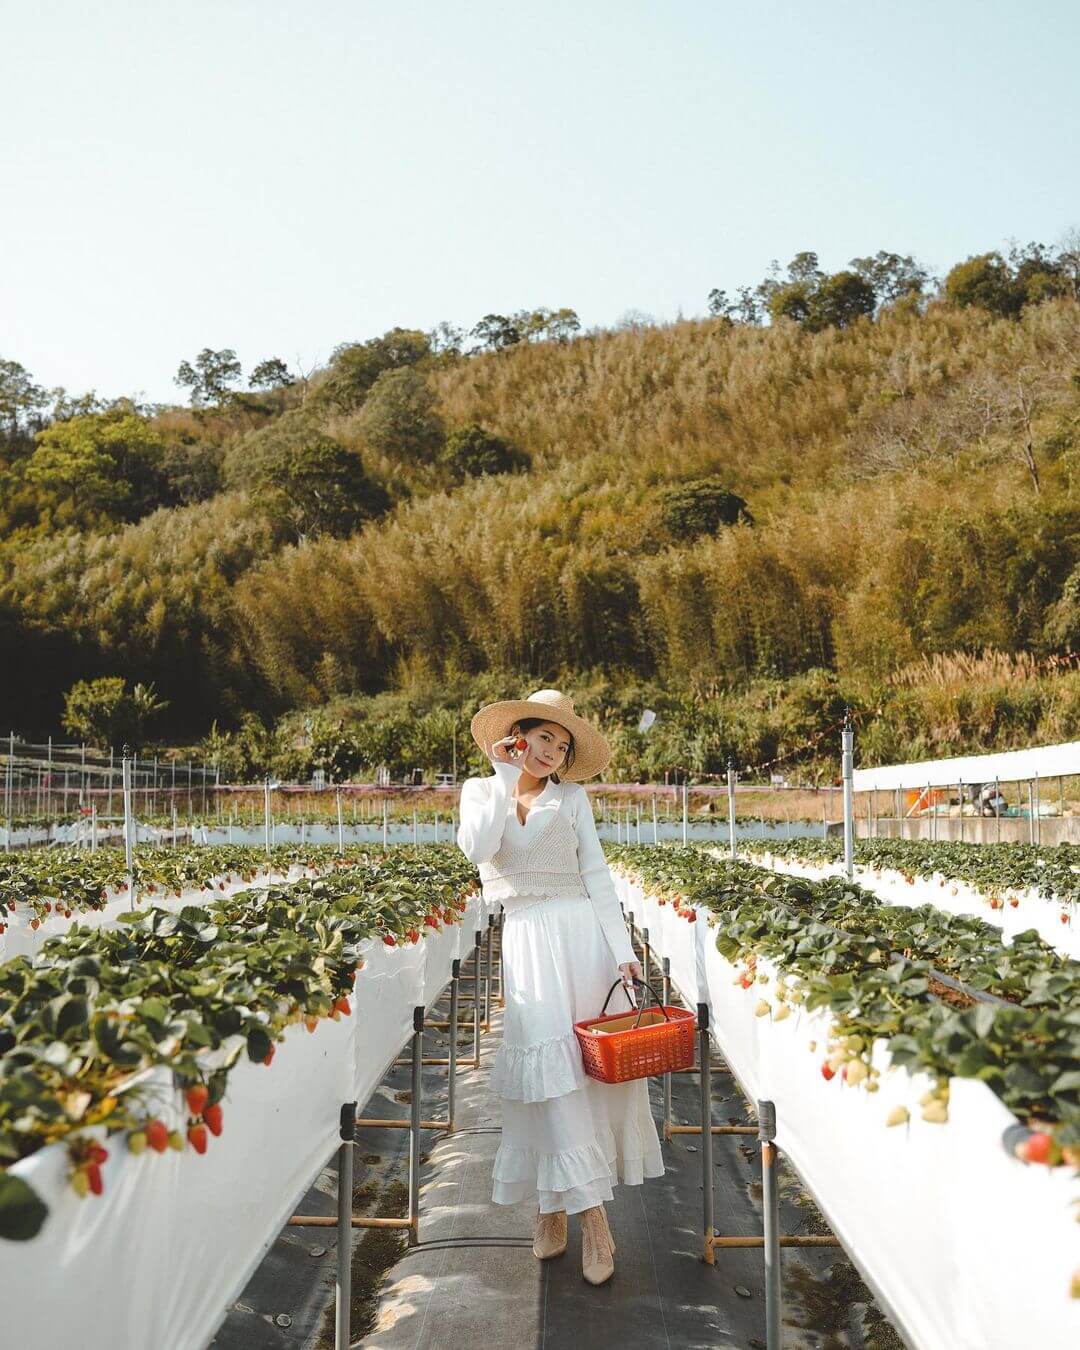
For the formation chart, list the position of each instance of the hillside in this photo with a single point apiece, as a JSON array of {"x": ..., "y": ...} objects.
[{"x": 910, "y": 488}]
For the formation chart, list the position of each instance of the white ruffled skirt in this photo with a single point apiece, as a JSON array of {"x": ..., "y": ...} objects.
[{"x": 566, "y": 1138}]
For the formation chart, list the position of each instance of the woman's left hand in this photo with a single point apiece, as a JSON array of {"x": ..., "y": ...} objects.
[{"x": 630, "y": 970}]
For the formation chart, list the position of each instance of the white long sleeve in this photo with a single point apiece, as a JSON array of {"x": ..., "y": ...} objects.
[
  {"x": 483, "y": 807},
  {"x": 597, "y": 877}
]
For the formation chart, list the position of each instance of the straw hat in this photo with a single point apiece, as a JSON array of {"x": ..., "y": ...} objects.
[{"x": 591, "y": 750}]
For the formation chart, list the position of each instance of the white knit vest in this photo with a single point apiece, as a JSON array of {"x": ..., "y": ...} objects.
[{"x": 546, "y": 865}]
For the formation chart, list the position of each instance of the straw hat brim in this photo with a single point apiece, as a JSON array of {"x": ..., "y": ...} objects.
[{"x": 592, "y": 754}]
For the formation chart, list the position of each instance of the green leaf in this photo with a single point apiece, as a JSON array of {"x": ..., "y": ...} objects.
[{"x": 22, "y": 1212}]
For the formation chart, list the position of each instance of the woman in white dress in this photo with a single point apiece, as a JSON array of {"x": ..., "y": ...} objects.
[{"x": 566, "y": 1137}]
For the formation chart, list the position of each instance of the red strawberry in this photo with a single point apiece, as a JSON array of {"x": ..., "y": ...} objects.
[
  {"x": 520, "y": 743},
  {"x": 157, "y": 1136},
  {"x": 98, "y": 1153},
  {"x": 270, "y": 1054},
  {"x": 745, "y": 980},
  {"x": 1064, "y": 917},
  {"x": 692, "y": 916},
  {"x": 431, "y": 920},
  {"x": 342, "y": 1005},
  {"x": 212, "y": 1116},
  {"x": 35, "y": 923},
  {"x": 197, "y": 1137},
  {"x": 197, "y": 1097},
  {"x": 827, "y": 1071},
  {"x": 93, "y": 1176},
  {"x": 48, "y": 906},
  {"x": 1037, "y": 1147},
  {"x": 413, "y": 935},
  {"x": 389, "y": 939}
]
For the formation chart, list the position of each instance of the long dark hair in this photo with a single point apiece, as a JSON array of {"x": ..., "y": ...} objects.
[{"x": 527, "y": 724}]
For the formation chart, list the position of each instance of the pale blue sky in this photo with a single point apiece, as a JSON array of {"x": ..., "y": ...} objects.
[{"x": 281, "y": 177}]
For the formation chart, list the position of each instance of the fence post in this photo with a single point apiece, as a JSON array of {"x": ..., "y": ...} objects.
[
  {"x": 705, "y": 1080},
  {"x": 1038, "y": 809},
  {"x": 129, "y": 860},
  {"x": 685, "y": 810},
  {"x": 266, "y": 813},
  {"x": 731, "y": 805},
  {"x": 997, "y": 806},
  {"x": 960, "y": 786},
  {"x": 847, "y": 740},
  {"x": 655, "y": 827},
  {"x": 8, "y": 789},
  {"x": 340, "y": 825}
]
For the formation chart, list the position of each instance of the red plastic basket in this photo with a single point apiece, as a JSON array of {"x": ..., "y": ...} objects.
[{"x": 624, "y": 1052}]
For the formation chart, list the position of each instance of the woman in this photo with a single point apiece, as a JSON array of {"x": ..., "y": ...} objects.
[{"x": 566, "y": 1138}]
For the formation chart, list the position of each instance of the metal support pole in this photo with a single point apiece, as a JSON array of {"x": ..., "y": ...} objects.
[
  {"x": 385, "y": 822},
  {"x": 9, "y": 783},
  {"x": 1038, "y": 810},
  {"x": 477, "y": 948},
  {"x": 451, "y": 1086},
  {"x": 997, "y": 807},
  {"x": 343, "y": 1293},
  {"x": 646, "y": 952},
  {"x": 93, "y": 827},
  {"x": 499, "y": 962},
  {"x": 414, "y": 1126},
  {"x": 655, "y": 827},
  {"x": 731, "y": 805},
  {"x": 266, "y": 813},
  {"x": 666, "y": 994},
  {"x": 960, "y": 785},
  {"x": 705, "y": 1080},
  {"x": 847, "y": 739},
  {"x": 685, "y": 810},
  {"x": 340, "y": 827},
  {"x": 1031, "y": 813},
  {"x": 129, "y": 859},
  {"x": 770, "y": 1203},
  {"x": 487, "y": 972},
  {"x": 415, "y": 830}
]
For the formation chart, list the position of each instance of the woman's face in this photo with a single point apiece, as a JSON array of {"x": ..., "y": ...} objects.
[{"x": 548, "y": 744}]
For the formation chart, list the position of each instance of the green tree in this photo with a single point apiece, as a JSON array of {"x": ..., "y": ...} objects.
[
  {"x": 891, "y": 276},
  {"x": 212, "y": 377},
  {"x": 99, "y": 468},
  {"x": 399, "y": 416},
  {"x": 839, "y": 300},
  {"x": 21, "y": 400},
  {"x": 103, "y": 712},
  {"x": 496, "y": 332},
  {"x": 702, "y": 506},
  {"x": 272, "y": 373},
  {"x": 355, "y": 366},
  {"x": 986, "y": 281},
  {"x": 322, "y": 488},
  {"x": 471, "y": 451}
]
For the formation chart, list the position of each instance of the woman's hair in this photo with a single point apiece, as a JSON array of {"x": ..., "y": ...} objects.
[{"x": 527, "y": 724}]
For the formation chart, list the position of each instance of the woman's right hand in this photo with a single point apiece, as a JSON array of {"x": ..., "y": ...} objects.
[{"x": 503, "y": 752}]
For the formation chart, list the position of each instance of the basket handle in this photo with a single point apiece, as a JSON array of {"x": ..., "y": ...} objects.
[{"x": 644, "y": 1004}]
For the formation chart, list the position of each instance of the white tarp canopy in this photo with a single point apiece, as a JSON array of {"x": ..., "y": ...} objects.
[{"x": 1008, "y": 766}]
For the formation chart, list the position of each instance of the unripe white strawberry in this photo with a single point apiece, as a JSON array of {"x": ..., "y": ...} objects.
[{"x": 899, "y": 1115}]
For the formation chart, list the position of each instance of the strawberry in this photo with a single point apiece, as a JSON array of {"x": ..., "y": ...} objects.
[
  {"x": 269, "y": 1054},
  {"x": 311, "y": 1023},
  {"x": 93, "y": 1177},
  {"x": 80, "y": 1183},
  {"x": 521, "y": 743},
  {"x": 157, "y": 1136},
  {"x": 1014, "y": 901},
  {"x": 692, "y": 916},
  {"x": 413, "y": 935},
  {"x": 746, "y": 979},
  {"x": 196, "y": 1098},
  {"x": 176, "y": 1141},
  {"x": 1036, "y": 1149},
  {"x": 35, "y": 923},
  {"x": 827, "y": 1071},
  {"x": 197, "y": 1137},
  {"x": 389, "y": 939},
  {"x": 1064, "y": 917},
  {"x": 898, "y": 1116},
  {"x": 212, "y": 1116},
  {"x": 342, "y": 1005},
  {"x": 98, "y": 1153},
  {"x": 431, "y": 920}
]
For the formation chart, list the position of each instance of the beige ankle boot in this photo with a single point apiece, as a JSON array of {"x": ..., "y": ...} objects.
[
  {"x": 550, "y": 1239},
  {"x": 596, "y": 1245}
]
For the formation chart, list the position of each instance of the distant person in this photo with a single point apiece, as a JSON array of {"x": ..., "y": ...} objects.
[{"x": 566, "y": 1137}]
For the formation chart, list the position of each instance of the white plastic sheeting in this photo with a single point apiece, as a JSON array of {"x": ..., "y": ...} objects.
[
  {"x": 1008, "y": 766},
  {"x": 1032, "y": 910},
  {"x": 20, "y": 939},
  {"x": 157, "y": 1259},
  {"x": 964, "y": 1247}
]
